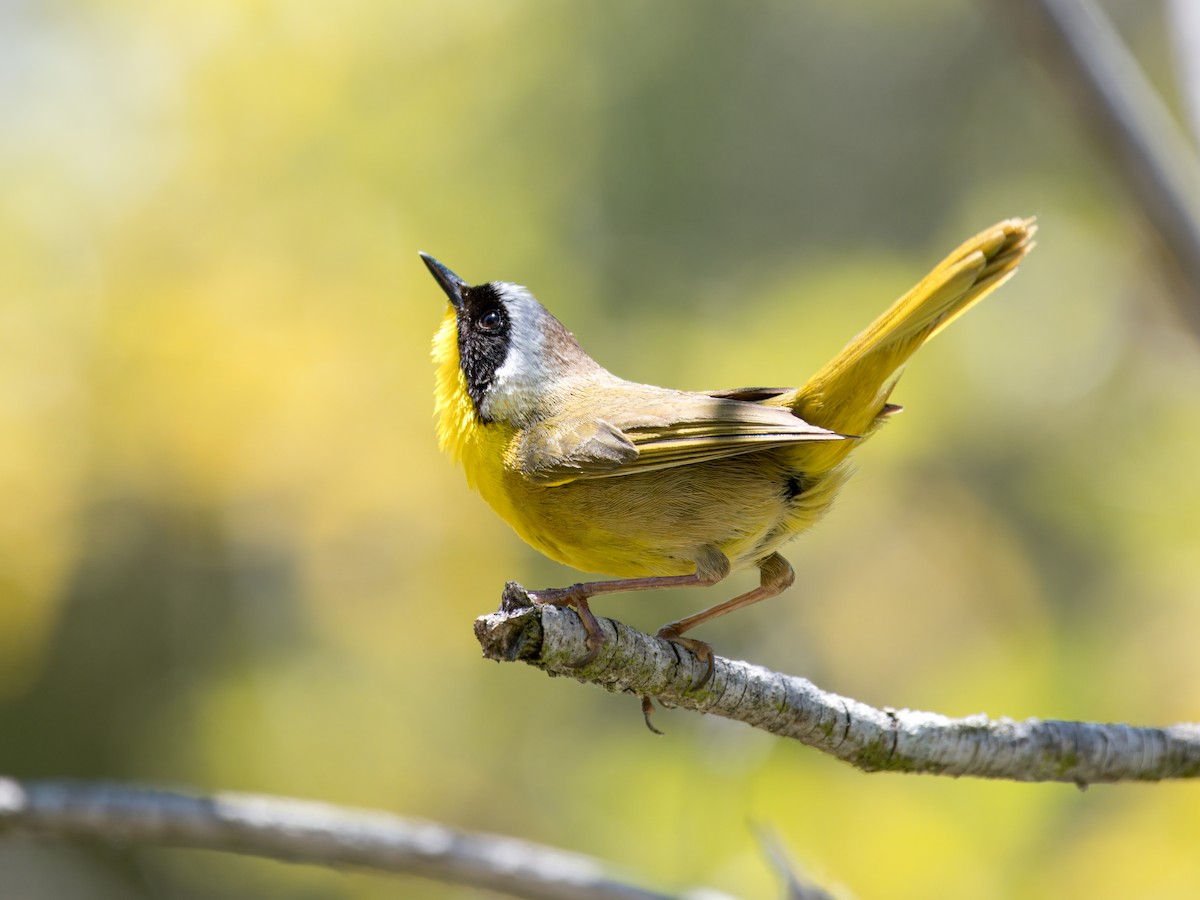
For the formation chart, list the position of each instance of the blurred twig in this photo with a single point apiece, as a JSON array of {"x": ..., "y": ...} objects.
[
  {"x": 1183, "y": 26},
  {"x": 1129, "y": 122},
  {"x": 551, "y": 638},
  {"x": 299, "y": 831},
  {"x": 795, "y": 886}
]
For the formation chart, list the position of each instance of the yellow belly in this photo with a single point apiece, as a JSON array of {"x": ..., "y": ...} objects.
[{"x": 651, "y": 523}]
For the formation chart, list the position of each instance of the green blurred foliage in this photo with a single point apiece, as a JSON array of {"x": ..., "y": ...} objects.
[{"x": 233, "y": 557}]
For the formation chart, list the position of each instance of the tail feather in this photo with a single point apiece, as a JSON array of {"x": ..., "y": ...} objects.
[{"x": 849, "y": 394}]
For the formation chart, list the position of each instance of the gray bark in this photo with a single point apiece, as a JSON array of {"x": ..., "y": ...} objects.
[
  {"x": 893, "y": 740},
  {"x": 299, "y": 831}
]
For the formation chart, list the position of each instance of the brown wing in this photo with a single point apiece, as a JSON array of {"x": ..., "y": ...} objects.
[{"x": 646, "y": 428}]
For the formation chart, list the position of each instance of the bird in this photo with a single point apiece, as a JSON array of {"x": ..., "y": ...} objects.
[{"x": 657, "y": 487}]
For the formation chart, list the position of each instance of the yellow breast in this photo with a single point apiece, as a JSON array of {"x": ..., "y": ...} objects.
[{"x": 480, "y": 449}]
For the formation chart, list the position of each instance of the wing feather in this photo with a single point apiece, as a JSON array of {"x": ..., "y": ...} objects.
[{"x": 647, "y": 429}]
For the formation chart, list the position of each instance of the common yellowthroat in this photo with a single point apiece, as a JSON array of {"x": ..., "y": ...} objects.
[{"x": 666, "y": 488}]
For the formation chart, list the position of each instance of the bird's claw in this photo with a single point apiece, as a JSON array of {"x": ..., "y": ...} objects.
[
  {"x": 702, "y": 649},
  {"x": 647, "y": 712},
  {"x": 573, "y": 596}
]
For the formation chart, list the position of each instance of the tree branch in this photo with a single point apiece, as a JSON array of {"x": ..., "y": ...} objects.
[
  {"x": 1183, "y": 28},
  {"x": 1129, "y": 122},
  {"x": 795, "y": 886},
  {"x": 551, "y": 638},
  {"x": 300, "y": 831}
]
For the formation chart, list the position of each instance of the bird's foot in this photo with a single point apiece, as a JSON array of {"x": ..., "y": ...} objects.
[
  {"x": 702, "y": 649},
  {"x": 575, "y": 596}
]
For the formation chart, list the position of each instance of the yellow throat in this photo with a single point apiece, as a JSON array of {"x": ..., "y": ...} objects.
[{"x": 479, "y": 450}]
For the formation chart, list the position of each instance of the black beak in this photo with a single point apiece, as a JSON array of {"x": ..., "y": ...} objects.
[{"x": 451, "y": 283}]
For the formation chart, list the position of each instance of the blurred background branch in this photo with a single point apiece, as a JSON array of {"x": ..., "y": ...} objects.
[
  {"x": 797, "y": 885},
  {"x": 1128, "y": 122},
  {"x": 1183, "y": 28},
  {"x": 551, "y": 638},
  {"x": 306, "y": 832}
]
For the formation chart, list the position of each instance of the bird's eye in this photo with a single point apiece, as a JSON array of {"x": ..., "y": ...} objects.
[{"x": 490, "y": 320}]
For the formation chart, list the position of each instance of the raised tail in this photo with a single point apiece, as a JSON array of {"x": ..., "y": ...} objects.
[{"x": 849, "y": 394}]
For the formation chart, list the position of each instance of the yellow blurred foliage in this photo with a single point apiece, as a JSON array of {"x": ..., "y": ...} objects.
[{"x": 232, "y": 556}]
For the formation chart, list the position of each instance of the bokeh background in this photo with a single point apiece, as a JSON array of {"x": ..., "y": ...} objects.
[{"x": 232, "y": 557}]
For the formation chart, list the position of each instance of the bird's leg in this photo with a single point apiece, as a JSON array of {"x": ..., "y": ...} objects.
[
  {"x": 577, "y": 595},
  {"x": 711, "y": 567},
  {"x": 775, "y": 577}
]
